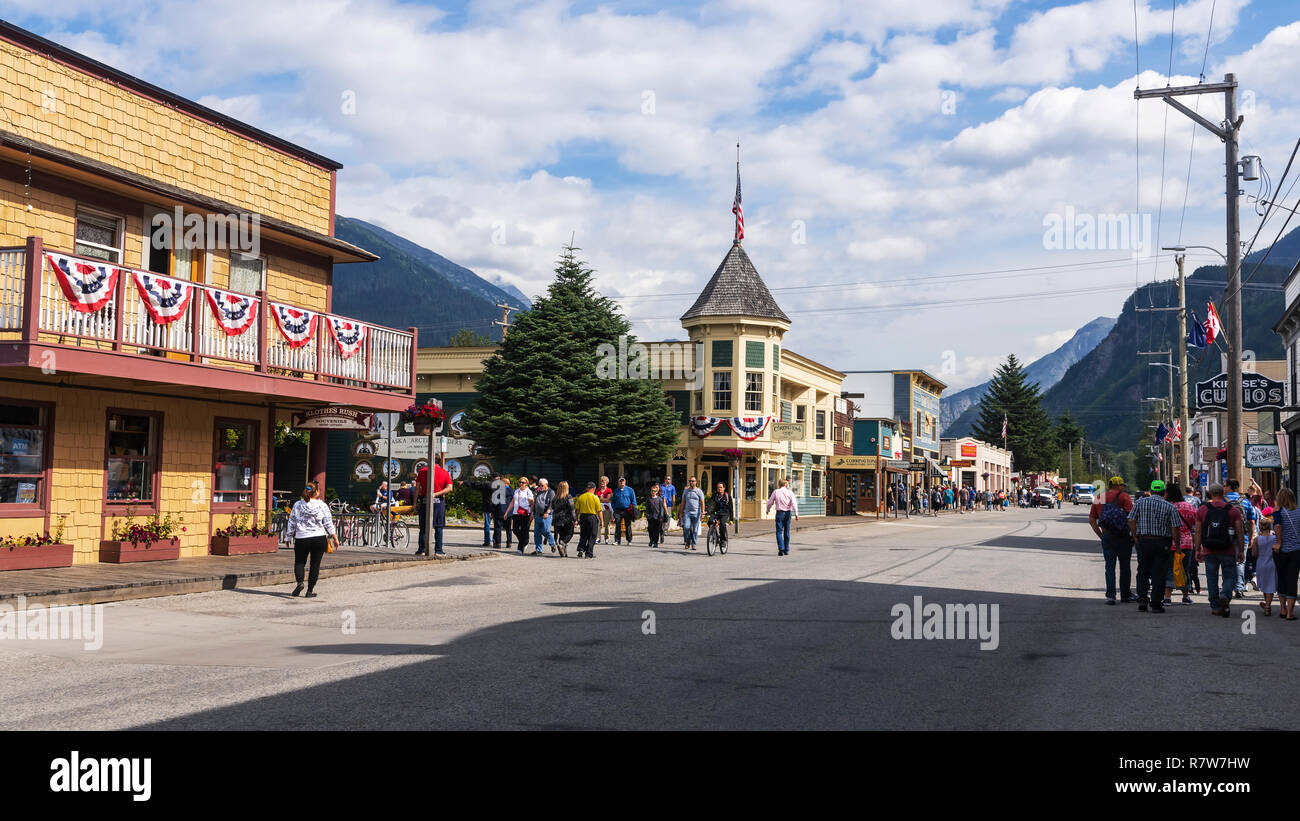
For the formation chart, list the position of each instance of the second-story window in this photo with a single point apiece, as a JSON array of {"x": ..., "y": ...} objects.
[
  {"x": 722, "y": 390},
  {"x": 247, "y": 274},
  {"x": 98, "y": 236},
  {"x": 754, "y": 392},
  {"x": 821, "y": 425}
]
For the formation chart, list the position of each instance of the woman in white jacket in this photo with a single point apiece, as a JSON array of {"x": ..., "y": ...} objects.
[{"x": 311, "y": 527}]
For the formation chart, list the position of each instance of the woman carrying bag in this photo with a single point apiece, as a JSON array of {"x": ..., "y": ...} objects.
[
  {"x": 311, "y": 530},
  {"x": 656, "y": 513},
  {"x": 563, "y": 517}
]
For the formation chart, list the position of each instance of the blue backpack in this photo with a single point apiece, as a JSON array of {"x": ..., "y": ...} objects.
[{"x": 1113, "y": 518}]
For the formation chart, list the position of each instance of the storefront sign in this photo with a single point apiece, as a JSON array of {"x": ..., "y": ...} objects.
[
  {"x": 919, "y": 466},
  {"x": 1208, "y": 455},
  {"x": 788, "y": 432},
  {"x": 853, "y": 463},
  {"x": 899, "y": 464},
  {"x": 333, "y": 418},
  {"x": 404, "y": 447},
  {"x": 1263, "y": 456},
  {"x": 1258, "y": 393},
  {"x": 962, "y": 463},
  {"x": 969, "y": 451},
  {"x": 363, "y": 471}
]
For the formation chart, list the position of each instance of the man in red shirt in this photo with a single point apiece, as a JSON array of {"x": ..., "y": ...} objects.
[
  {"x": 1220, "y": 546},
  {"x": 1108, "y": 518},
  {"x": 441, "y": 487}
]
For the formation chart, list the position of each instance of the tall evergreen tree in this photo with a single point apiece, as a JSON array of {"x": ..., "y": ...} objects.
[
  {"x": 545, "y": 393},
  {"x": 1029, "y": 431},
  {"x": 1067, "y": 438}
]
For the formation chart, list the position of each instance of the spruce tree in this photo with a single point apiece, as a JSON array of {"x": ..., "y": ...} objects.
[
  {"x": 1029, "y": 433},
  {"x": 545, "y": 393}
]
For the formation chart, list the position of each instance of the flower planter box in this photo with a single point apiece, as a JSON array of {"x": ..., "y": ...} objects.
[
  {"x": 35, "y": 558},
  {"x": 122, "y": 552},
  {"x": 243, "y": 545}
]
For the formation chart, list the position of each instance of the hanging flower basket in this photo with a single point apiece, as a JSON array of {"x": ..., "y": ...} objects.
[
  {"x": 426, "y": 418},
  {"x": 733, "y": 454}
]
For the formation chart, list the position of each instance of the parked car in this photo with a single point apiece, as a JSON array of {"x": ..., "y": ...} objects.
[{"x": 1044, "y": 497}]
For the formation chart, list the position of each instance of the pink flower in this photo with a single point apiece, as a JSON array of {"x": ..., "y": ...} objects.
[{"x": 182, "y": 530}]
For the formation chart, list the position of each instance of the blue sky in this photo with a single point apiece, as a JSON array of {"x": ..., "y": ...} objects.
[{"x": 883, "y": 142}]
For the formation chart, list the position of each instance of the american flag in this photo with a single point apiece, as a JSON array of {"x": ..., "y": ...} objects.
[
  {"x": 735, "y": 207},
  {"x": 1177, "y": 433},
  {"x": 1004, "y": 426}
]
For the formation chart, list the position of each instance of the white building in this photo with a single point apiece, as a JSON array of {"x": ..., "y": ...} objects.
[{"x": 989, "y": 469}]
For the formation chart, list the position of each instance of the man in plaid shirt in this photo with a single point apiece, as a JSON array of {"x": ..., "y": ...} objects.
[{"x": 1154, "y": 523}]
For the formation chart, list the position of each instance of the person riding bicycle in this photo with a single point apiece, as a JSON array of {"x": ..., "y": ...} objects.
[
  {"x": 719, "y": 510},
  {"x": 383, "y": 498}
]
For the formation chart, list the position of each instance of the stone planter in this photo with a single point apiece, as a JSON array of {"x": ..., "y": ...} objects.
[
  {"x": 122, "y": 552},
  {"x": 35, "y": 558},
  {"x": 243, "y": 545}
]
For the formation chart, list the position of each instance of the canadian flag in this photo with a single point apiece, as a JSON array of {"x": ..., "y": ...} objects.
[{"x": 1213, "y": 327}]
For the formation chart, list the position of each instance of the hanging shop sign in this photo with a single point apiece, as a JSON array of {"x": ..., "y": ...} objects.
[
  {"x": 852, "y": 463},
  {"x": 333, "y": 418},
  {"x": 969, "y": 451},
  {"x": 1263, "y": 456},
  {"x": 961, "y": 463},
  {"x": 899, "y": 464},
  {"x": 1258, "y": 393}
]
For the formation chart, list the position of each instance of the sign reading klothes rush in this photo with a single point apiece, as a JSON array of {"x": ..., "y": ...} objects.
[
  {"x": 1258, "y": 393},
  {"x": 333, "y": 418}
]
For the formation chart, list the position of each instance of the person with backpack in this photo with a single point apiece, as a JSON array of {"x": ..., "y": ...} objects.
[
  {"x": 1219, "y": 545},
  {"x": 1155, "y": 524},
  {"x": 563, "y": 517},
  {"x": 1108, "y": 518},
  {"x": 1232, "y": 495}
]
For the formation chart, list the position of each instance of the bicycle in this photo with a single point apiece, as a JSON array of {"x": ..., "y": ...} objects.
[
  {"x": 391, "y": 534},
  {"x": 717, "y": 537}
]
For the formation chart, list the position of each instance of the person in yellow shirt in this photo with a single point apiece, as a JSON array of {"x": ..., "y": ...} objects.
[{"x": 588, "y": 507}]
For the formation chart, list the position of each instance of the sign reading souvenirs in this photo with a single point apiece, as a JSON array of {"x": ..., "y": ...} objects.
[
  {"x": 333, "y": 418},
  {"x": 1263, "y": 456},
  {"x": 787, "y": 432},
  {"x": 1258, "y": 393},
  {"x": 962, "y": 463}
]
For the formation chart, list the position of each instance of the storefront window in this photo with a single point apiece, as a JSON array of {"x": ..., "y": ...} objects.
[
  {"x": 235, "y": 463},
  {"x": 751, "y": 484},
  {"x": 132, "y": 460},
  {"x": 796, "y": 481},
  {"x": 24, "y": 430},
  {"x": 816, "y": 483}
]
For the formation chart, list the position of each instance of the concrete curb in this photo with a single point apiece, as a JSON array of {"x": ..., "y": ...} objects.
[{"x": 125, "y": 591}]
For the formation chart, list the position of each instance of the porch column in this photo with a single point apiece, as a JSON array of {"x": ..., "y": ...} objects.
[{"x": 316, "y": 454}]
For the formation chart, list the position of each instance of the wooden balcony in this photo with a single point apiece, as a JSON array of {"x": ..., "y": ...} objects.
[{"x": 122, "y": 340}]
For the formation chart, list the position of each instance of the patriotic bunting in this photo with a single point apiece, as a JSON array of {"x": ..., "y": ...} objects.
[
  {"x": 704, "y": 425},
  {"x": 235, "y": 313},
  {"x": 87, "y": 285},
  {"x": 349, "y": 335},
  {"x": 164, "y": 298},
  {"x": 296, "y": 325},
  {"x": 749, "y": 428}
]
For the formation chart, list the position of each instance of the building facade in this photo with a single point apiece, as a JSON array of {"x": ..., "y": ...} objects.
[
  {"x": 165, "y": 280},
  {"x": 977, "y": 464}
]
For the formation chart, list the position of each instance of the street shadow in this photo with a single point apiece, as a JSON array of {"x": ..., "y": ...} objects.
[
  {"x": 1045, "y": 543},
  {"x": 791, "y": 654}
]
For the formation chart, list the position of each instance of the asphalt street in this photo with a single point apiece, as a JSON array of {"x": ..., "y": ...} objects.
[{"x": 663, "y": 639}]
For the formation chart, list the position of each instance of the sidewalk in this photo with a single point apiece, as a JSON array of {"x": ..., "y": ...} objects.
[{"x": 98, "y": 583}]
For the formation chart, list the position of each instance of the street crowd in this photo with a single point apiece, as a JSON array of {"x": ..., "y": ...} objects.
[
  {"x": 1240, "y": 539},
  {"x": 915, "y": 501}
]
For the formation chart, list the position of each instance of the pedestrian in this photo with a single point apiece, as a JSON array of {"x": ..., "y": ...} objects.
[
  {"x": 623, "y": 510},
  {"x": 720, "y": 511},
  {"x": 405, "y": 496},
  {"x": 670, "y": 500},
  {"x": 502, "y": 495},
  {"x": 1286, "y": 526},
  {"x": 1108, "y": 518},
  {"x": 1219, "y": 545},
  {"x": 441, "y": 487},
  {"x": 542, "y": 500},
  {"x": 1263, "y": 546},
  {"x": 520, "y": 515},
  {"x": 383, "y": 499},
  {"x": 1154, "y": 523},
  {"x": 1232, "y": 496},
  {"x": 563, "y": 517},
  {"x": 588, "y": 508},
  {"x": 1185, "y": 549},
  {"x": 310, "y": 530},
  {"x": 656, "y": 514},
  {"x": 485, "y": 487},
  {"x": 604, "y": 493},
  {"x": 692, "y": 508},
  {"x": 786, "y": 506}
]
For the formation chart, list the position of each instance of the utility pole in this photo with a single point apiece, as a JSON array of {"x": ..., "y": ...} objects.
[
  {"x": 1184, "y": 425},
  {"x": 1227, "y": 132},
  {"x": 504, "y": 321}
]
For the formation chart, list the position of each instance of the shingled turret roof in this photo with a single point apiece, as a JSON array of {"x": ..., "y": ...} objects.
[{"x": 736, "y": 289}]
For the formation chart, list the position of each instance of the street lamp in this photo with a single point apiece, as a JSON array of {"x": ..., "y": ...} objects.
[{"x": 1180, "y": 249}]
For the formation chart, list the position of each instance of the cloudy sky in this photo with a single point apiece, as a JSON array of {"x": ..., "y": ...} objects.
[{"x": 899, "y": 157}]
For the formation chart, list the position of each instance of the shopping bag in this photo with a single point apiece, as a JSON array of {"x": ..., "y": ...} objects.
[{"x": 1180, "y": 570}]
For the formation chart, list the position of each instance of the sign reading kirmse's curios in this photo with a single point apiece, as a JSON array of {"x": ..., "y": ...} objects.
[{"x": 1258, "y": 393}]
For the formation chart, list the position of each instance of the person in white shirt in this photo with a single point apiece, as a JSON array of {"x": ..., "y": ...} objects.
[
  {"x": 786, "y": 506},
  {"x": 310, "y": 528},
  {"x": 520, "y": 514}
]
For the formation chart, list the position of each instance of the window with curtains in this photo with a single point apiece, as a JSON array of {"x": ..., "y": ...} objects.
[
  {"x": 754, "y": 392},
  {"x": 247, "y": 274},
  {"x": 99, "y": 236},
  {"x": 722, "y": 390}
]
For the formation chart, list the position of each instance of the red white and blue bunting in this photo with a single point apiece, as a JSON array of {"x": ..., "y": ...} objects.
[
  {"x": 704, "y": 425},
  {"x": 87, "y": 285},
  {"x": 296, "y": 325},
  {"x": 749, "y": 428},
  {"x": 349, "y": 335},
  {"x": 164, "y": 298},
  {"x": 235, "y": 313}
]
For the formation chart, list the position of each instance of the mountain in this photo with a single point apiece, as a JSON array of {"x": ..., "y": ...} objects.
[
  {"x": 1104, "y": 390},
  {"x": 957, "y": 413},
  {"x": 412, "y": 286}
]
